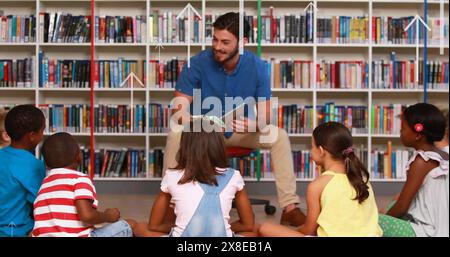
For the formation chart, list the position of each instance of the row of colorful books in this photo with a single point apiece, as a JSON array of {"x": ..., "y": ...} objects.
[
  {"x": 124, "y": 119},
  {"x": 17, "y": 73},
  {"x": 110, "y": 163},
  {"x": 343, "y": 29},
  {"x": 165, "y": 74},
  {"x": 353, "y": 117},
  {"x": 295, "y": 119},
  {"x": 290, "y": 28},
  {"x": 166, "y": 28},
  {"x": 107, "y": 118},
  {"x": 388, "y": 163},
  {"x": 120, "y": 29},
  {"x": 259, "y": 164},
  {"x": 59, "y": 27},
  {"x": 342, "y": 74},
  {"x": 401, "y": 74},
  {"x": 391, "y": 30},
  {"x": 17, "y": 28},
  {"x": 130, "y": 163},
  {"x": 386, "y": 118},
  {"x": 292, "y": 74}
]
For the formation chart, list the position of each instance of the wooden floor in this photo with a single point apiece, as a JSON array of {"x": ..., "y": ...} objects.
[{"x": 138, "y": 206}]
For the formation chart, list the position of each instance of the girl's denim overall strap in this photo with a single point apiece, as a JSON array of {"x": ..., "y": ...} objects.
[{"x": 207, "y": 220}]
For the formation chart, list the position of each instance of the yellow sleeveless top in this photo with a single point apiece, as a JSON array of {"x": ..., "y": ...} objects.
[{"x": 342, "y": 216}]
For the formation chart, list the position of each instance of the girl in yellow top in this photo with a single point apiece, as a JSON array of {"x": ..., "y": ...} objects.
[{"x": 340, "y": 201}]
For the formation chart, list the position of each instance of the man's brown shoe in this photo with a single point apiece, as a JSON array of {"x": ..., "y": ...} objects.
[{"x": 294, "y": 218}]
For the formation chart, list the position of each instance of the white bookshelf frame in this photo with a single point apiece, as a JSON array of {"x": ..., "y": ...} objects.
[{"x": 167, "y": 92}]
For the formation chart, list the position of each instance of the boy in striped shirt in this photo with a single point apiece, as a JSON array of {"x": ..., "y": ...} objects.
[{"x": 66, "y": 204}]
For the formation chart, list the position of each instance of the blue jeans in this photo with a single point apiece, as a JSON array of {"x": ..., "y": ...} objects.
[{"x": 117, "y": 229}]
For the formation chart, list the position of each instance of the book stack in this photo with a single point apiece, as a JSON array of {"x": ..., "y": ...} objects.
[
  {"x": 290, "y": 73},
  {"x": 343, "y": 29},
  {"x": 353, "y": 117},
  {"x": 120, "y": 29},
  {"x": 294, "y": 118},
  {"x": 108, "y": 163},
  {"x": 17, "y": 73},
  {"x": 17, "y": 28},
  {"x": 342, "y": 74},
  {"x": 386, "y": 119},
  {"x": 389, "y": 163},
  {"x": 64, "y": 28}
]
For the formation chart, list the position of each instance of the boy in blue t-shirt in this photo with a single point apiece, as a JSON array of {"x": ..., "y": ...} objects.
[{"x": 21, "y": 174}]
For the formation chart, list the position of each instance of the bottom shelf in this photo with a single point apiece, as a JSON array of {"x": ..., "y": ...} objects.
[{"x": 245, "y": 179}]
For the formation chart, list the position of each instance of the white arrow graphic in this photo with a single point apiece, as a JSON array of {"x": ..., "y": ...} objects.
[
  {"x": 241, "y": 27},
  {"x": 12, "y": 225},
  {"x": 131, "y": 78},
  {"x": 417, "y": 19},
  {"x": 189, "y": 9},
  {"x": 159, "y": 46},
  {"x": 311, "y": 4}
]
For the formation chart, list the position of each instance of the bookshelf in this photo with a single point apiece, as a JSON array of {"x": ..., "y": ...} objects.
[{"x": 312, "y": 51}]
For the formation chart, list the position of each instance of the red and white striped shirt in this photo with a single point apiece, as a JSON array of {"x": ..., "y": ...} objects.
[{"x": 55, "y": 213}]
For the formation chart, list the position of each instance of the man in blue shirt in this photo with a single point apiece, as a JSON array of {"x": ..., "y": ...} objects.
[
  {"x": 21, "y": 174},
  {"x": 206, "y": 86}
]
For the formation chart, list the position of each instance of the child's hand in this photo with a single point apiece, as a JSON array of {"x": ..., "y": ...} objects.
[{"x": 112, "y": 215}]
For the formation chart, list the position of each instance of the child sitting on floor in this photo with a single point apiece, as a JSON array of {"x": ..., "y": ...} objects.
[
  {"x": 202, "y": 187},
  {"x": 341, "y": 201},
  {"x": 21, "y": 174},
  {"x": 66, "y": 205},
  {"x": 422, "y": 207}
]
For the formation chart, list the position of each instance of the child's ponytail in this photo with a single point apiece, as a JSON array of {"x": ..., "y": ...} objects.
[
  {"x": 357, "y": 174},
  {"x": 337, "y": 140}
]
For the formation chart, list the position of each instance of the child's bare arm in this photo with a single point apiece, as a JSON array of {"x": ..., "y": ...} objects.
[
  {"x": 89, "y": 215},
  {"x": 313, "y": 193},
  {"x": 417, "y": 172},
  {"x": 246, "y": 220},
  {"x": 159, "y": 210}
]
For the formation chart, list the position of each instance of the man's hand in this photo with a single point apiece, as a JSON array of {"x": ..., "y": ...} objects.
[{"x": 244, "y": 125}]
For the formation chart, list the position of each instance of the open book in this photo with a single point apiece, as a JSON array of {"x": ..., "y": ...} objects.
[{"x": 225, "y": 120}]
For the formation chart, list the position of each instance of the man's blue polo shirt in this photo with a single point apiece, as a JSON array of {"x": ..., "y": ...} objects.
[{"x": 250, "y": 78}]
